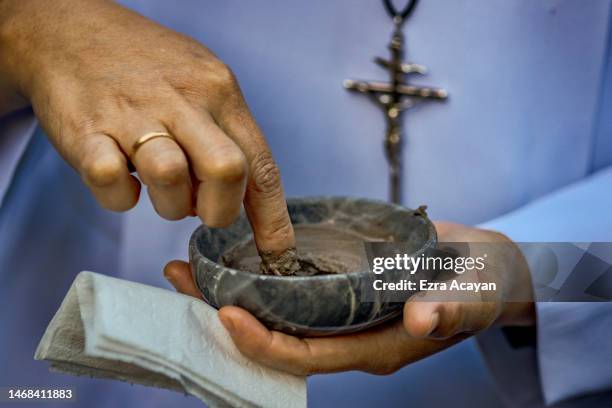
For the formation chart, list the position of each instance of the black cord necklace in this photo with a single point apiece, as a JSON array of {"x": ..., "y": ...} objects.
[{"x": 399, "y": 16}]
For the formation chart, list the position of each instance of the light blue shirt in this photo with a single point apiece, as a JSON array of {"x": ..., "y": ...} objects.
[{"x": 523, "y": 140}]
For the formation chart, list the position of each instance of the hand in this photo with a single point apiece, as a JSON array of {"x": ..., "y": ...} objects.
[
  {"x": 428, "y": 325},
  {"x": 99, "y": 77}
]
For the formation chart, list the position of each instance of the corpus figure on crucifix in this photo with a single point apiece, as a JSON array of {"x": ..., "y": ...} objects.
[{"x": 396, "y": 95}]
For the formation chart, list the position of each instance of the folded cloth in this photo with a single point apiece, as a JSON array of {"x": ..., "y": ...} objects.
[{"x": 112, "y": 328}]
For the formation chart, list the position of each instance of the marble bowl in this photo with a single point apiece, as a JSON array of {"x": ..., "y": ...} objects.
[{"x": 312, "y": 305}]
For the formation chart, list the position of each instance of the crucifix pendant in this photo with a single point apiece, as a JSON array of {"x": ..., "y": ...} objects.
[{"x": 395, "y": 97}]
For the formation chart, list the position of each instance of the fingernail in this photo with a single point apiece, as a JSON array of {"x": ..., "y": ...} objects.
[
  {"x": 227, "y": 322},
  {"x": 435, "y": 319}
]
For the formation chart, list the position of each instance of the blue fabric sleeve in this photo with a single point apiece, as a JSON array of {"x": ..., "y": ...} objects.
[{"x": 574, "y": 346}]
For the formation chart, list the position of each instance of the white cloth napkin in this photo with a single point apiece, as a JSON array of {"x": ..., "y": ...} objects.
[{"x": 112, "y": 328}]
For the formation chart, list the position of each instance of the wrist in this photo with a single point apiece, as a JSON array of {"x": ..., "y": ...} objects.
[{"x": 519, "y": 309}]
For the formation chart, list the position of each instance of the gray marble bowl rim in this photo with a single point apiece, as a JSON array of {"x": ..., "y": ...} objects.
[{"x": 198, "y": 256}]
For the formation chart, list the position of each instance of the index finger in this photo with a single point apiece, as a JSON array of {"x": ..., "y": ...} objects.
[{"x": 265, "y": 199}]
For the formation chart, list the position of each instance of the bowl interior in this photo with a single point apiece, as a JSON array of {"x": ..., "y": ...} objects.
[{"x": 365, "y": 220}]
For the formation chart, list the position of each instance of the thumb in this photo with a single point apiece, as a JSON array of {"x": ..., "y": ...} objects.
[
  {"x": 421, "y": 318},
  {"x": 438, "y": 314}
]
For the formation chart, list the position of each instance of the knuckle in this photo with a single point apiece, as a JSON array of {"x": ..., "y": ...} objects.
[
  {"x": 265, "y": 177},
  {"x": 227, "y": 165},
  {"x": 451, "y": 321},
  {"x": 169, "y": 169},
  {"x": 102, "y": 171},
  {"x": 220, "y": 75}
]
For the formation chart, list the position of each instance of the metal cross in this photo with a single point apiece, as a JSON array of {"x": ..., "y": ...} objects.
[{"x": 395, "y": 97}]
